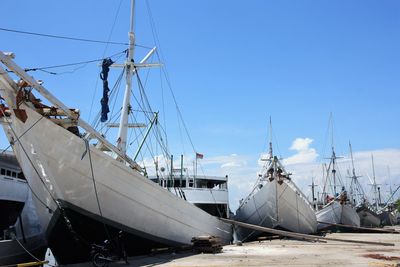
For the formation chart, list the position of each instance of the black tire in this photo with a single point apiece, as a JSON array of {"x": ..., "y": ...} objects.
[{"x": 99, "y": 260}]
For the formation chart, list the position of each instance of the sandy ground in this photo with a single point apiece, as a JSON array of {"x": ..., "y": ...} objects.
[
  {"x": 284, "y": 252},
  {"x": 289, "y": 253}
]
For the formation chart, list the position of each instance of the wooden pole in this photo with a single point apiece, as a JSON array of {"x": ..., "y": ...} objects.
[
  {"x": 390, "y": 231},
  {"x": 300, "y": 236},
  {"x": 29, "y": 264}
]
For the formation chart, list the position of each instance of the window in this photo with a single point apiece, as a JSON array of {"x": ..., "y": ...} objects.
[
  {"x": 8, "y": 173},
  {"x": 21, "y": 175},
  {"x": 14, "y": 174},
  {"x": 3, "y": 171}
]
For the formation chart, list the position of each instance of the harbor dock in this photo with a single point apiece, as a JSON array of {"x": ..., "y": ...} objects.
[{"x": 287, "y": 252}]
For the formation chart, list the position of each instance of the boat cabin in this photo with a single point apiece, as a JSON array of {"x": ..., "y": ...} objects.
[{"x": 210, "y": 193}]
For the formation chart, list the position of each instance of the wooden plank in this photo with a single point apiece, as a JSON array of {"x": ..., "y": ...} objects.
[
  {"x": 29, "y": 264},
  {"x": 300, "y": 236},
  {"x": 390, "y": 231}
]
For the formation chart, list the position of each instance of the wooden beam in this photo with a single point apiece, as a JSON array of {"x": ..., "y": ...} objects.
[
  {"x": 389, "y": 231},
  {"x": 300, "y": 236}
]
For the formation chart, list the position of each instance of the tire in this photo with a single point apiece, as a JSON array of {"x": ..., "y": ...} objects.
[{"x": 99, "y": 260}]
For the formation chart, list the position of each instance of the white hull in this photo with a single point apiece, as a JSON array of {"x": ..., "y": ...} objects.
[
  {"x": 387, "y": 218},
  {"x": 336, "y": 213},
  {"x": 13, "y": 189},
  {"x": 126, "y": 198},
  {"x": 368, "y": 217},
  {"x": 276, "y": 206},
  {"x": 44, "y": 215},
  {"x": 27, "y": 229}
]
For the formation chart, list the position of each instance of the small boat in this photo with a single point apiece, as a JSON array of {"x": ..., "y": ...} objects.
[
  {"x": 387, "y": 217},
  {"x": 19, "y": 224},
  {"x": 358, "y": 198},
  {"x": 368, "y": 215},
  {"x": 275, "y": 202},
  {"x": 338, "y": 209}
]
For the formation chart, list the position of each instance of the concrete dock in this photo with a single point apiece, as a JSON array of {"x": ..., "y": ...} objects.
[{"x": 283, "y": 252}]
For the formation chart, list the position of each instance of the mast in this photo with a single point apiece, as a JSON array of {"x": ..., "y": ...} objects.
[
  {"x": 390, "y": 181},
  {"x": 375, "y": 189},
  {"x": 353, "y": 177},
  {"x": 352, "y": 162},
  {"x": 313, "y": 193},
  {"x": 270, "y": 138},
  {"x": 126, "y": 106},
  {"x": 334, "y": 171},
  {"x": 358, "y": 190}
]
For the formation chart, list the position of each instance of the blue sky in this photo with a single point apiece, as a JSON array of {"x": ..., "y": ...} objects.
[{"x": 232, "y": 64}]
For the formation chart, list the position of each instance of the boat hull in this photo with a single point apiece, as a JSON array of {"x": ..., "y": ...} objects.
[
  {"x": 113, "y": 193},
  {"x": 368, "y": 217},
  {"x": 13, "y": 253},
  {"x": 337, "y": 213},
  {"x": 28, "y": 234},
  {"x": 13, "y": 194},
  {"x": 276, "y": 206},
  {"x": 18, "y": 219},
  {"x": 387, "y": 218}
]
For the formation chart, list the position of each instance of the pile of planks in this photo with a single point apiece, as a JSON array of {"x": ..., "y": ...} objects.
[{"x": 207, "y": 244}]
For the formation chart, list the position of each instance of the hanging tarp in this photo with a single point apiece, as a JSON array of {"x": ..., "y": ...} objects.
[{"x": 105, "y": 68}]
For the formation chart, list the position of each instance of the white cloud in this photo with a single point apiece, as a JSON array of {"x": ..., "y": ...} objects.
[
  {"x": 305, "y": 154},
  {"x": 304, "y": 165},
  {"x": 301, "y": 144},
  {"x": 243, "y": 170},
  {"x": 303, "y": 173}
]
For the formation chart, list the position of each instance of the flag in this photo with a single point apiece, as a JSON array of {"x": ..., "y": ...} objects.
[{"x": 199, "y": 156}]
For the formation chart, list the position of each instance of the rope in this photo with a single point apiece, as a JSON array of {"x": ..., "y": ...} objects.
[
  {"x": 259, "y": 216},
  {"x": 62, "y": 211},
  {"x": 33, "y": 192},
  {"x": 215, "y": 202},
  {"x": 104, "y": 52},
  {"x": 163, "y": 71},
  {"x": 63, "y": 37},
  {"x": 9, "y": 124},
  {"x": 94, "y": 184},
  {"x": 30, "y": 254},
  {"x": 71, "y": 64}
]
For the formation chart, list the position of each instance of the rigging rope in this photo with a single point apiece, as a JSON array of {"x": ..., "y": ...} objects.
[
  {"x": 62, "y": 211},
  {"x": 30, "y": 254},
  {"x": 70, "y": 38},
  {"x": 72, "y": 64},
  {"x": 94, "y": 184},
  {"x": 11, "y": 144}
]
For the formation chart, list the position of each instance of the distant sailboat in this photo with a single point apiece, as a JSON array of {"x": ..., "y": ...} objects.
[
  {"x": 275, "y": 202},
  {"x": 367, "y": 214},
  {"x": 337, "y": 208},
  {"x": 88, "y": 189},
  {"x": 384, "y": 212}
]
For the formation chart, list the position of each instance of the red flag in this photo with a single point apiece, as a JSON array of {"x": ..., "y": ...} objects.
[{"x": 199, "y": 156}]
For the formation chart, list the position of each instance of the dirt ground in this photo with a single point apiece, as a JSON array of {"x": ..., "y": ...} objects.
[
  {"x": 285, "y": 252},
  {"x": 280, "y": 252}
]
